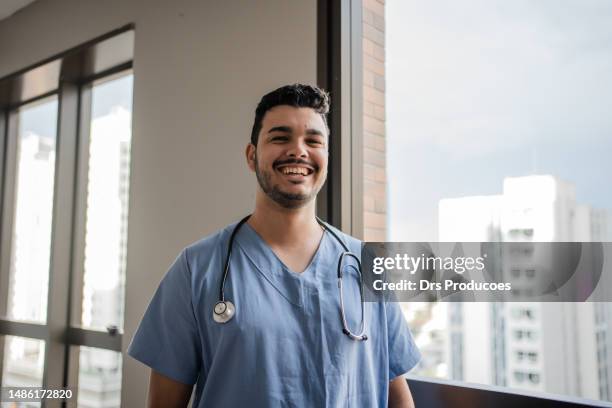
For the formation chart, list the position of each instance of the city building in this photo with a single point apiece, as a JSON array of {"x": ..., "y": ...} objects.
[{"x": 554, "y": 347}]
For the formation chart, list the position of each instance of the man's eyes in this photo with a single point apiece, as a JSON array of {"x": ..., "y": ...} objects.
[
  {"x": 282, "y": 139},
  {"x": 315, "y": 142}
]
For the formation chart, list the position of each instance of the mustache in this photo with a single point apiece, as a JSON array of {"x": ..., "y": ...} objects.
[{"x": 294, "y": 161}]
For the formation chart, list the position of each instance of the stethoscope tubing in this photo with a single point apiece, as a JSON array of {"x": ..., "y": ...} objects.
[
  {"x": 362, "y": 326},
  {"x": 223, "y": 310},
  {"x": 229, "y": 255}
]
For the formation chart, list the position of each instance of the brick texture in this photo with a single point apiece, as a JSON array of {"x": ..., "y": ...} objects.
[{"x": 374, "y": 153}]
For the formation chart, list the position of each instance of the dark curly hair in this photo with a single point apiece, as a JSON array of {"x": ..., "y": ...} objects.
[{"x": 296, "y": 95}]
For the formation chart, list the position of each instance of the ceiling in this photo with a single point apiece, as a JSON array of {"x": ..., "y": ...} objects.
[{"x": 10, "y": 7}]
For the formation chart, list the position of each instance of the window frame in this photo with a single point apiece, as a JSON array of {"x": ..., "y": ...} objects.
[
  {"x": 72, "y": 85},
  {"x": 340, "y": 72}
]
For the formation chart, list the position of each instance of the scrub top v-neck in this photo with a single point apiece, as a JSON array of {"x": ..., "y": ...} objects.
[
  {"x": 285, "y": 346},
  {"x": 269, "y": 253}
]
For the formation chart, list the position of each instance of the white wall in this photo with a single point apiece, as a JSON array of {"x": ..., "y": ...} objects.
[{"x": 199, "y": 69}]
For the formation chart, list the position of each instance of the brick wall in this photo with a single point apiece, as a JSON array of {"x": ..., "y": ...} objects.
[{"x": 374, "y": 188}]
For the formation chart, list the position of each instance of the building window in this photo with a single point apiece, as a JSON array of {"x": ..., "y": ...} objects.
[{"x": 519, "y": 376}]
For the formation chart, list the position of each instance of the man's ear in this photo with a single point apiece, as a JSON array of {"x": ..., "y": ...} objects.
[{"x": 250, "y": 156}]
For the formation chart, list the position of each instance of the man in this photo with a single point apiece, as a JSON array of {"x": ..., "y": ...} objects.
[{"x": 285, "y": 343}]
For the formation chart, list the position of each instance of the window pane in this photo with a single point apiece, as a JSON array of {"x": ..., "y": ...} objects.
[
  {"x": 497, "y": 129},
  {"x": 23, "y": 362},
  {"x": 99, "y": 378},
  {"x": 31, "y": 241},
  {"x": 107, "y": 203}
]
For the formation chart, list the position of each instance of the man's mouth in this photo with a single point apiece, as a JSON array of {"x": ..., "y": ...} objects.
[{"x": 295, "y": 171}]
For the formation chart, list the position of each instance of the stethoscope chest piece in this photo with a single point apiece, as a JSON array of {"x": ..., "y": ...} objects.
[{"x": 224, "y": 311}]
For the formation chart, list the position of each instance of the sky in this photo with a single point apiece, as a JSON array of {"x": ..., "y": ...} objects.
[{"x": 479, "y": 90}]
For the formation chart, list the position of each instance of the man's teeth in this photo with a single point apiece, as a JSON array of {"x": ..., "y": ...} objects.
[{"x": 295, "y": 170}]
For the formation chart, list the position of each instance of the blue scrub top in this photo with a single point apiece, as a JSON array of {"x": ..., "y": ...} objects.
[{"x": 285, "y": 346}]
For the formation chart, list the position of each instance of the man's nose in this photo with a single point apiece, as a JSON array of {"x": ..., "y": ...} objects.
[{"x": 297, "y": 149}]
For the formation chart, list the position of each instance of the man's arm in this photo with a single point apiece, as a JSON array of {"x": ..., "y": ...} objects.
[
  {"x": 399, "y": 394},
  {"x": 167, "y": 393}
]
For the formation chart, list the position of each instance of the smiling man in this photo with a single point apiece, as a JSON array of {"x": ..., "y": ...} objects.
[{"x": 252, "y": 314}]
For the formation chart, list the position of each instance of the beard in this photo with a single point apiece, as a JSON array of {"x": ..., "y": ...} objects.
[{"x": 282, "y": 198}]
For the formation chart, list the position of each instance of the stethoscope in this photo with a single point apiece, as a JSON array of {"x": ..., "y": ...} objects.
[{"x": 225, "y": 310}]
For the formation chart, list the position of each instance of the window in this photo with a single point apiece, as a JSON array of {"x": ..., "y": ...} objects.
[
  {"x": 519, "y": 376},
  {"x": 488, "y": 123},
  {"x": 524, "y": 356},
  {"x": 534, "y": 378},
  {"x": 23, "y": 362},
  {"x": 65, "y": 178},
  {"x": 36, "y": 125},
  {"x": 108, "y": 173},
  {"x": 99, "y": 377}
]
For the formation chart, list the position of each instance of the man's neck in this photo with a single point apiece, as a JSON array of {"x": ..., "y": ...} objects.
[{"x": 284, "y": 226}]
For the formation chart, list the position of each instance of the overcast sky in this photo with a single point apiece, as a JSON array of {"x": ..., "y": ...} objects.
[{"x": 478, "y": 90}]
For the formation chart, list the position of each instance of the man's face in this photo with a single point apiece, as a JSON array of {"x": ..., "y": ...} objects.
[{"x": 290, "y": 160}]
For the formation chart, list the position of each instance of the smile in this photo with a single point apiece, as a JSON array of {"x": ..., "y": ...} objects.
[{"x": 295, "y": 170}]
